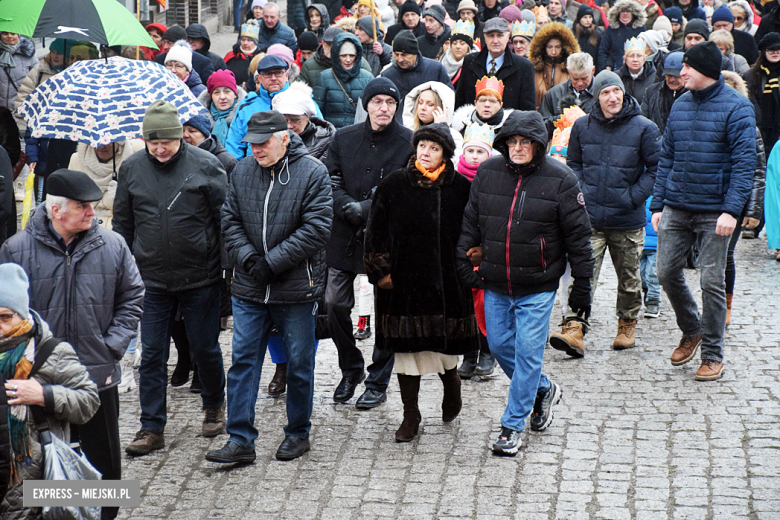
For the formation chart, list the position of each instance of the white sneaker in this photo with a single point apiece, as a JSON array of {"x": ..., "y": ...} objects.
[
  {"x": 127, "y": 384},
  {"x": 137, "y": 356}
]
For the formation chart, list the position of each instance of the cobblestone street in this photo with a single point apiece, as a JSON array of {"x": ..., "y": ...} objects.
[{"x": 633, "y": 436}]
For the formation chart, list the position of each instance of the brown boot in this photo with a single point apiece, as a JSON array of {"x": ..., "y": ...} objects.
[
  {"x": 729, "y": 297},
  {"x": 570, "y": 339},
  {"x": 710, "y": 370},
  {"x": 626, "y": 336},
  {"x": 686, "y": 350},
  {"x": 213, "y": 421},
  {"x": 451, "y": 403},
  {"x": 278, "y": 384},
  {"x": 410, "y": 390},
  {"x": 145, "y": 442}
]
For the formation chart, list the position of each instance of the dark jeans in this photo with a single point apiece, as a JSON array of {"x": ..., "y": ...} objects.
[
  {"x": 252, "y": 323},
  {"x": 99, "y": 440},
  {"x": 731, "y": 266},
  {"x": 200, "y": 311},
  {"x": 677, "y": 232},
  {"x": 340, "y": 298}
]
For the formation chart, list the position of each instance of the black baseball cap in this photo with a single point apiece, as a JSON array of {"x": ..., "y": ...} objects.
[
  {"x": 262, "y": 125},
  {"x": 73, "y": 185}
]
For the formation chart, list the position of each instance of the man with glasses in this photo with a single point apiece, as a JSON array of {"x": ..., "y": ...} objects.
[
  {"x": 359, "y": 157},
  {"x": 84, "y": 283},
  {"x": 525, "y": 218}
]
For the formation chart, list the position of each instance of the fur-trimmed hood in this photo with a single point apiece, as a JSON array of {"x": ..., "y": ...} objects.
[
  {"x": 735, "y": 81},
  {"x": 463, "y": 117},
  {"x": 745, "y": 7},
  {"x": 549, "y": 31},
  {"x": 640, "y": 18}
]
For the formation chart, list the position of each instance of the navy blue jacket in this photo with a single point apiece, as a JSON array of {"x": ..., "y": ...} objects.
[
  {"x": 424, "y": 70},
  {"x": 615, "y": 161},
  {"x": 708, "y": 156},
  {"x": 279, "y": 34}
]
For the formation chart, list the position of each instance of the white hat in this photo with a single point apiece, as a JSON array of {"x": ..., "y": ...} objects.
[
  {"x": 181, "y": 52},
  {"x": 259, "y": 3},
  {"x": 294, "y": 102}
]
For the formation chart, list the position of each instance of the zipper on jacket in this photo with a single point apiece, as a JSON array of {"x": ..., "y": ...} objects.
[
  {"x": 179, "y": 191},
  {"x": 308, "y": 271},
  {"x": 520, "y": 211},
  {"x": 265, "y": 228},
  {"x": 509, "y": 231},
  {"x": 542, "y": 245}
]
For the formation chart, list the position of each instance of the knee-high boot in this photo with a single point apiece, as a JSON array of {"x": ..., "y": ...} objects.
[
  {"x": 451, "y": 403},
  {"x": 410, "y": 390}
]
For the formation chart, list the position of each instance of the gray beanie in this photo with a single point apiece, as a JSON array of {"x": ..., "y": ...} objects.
[
  {"x": 13, "y": 289},
  {"x": 604, "y": 79},
  {"x": 436, "y": 12}
]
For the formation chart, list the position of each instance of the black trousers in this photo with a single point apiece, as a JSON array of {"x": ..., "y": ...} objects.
[
  {"x": 99, "y": 439},
  {"x": 339, "y": 299}
]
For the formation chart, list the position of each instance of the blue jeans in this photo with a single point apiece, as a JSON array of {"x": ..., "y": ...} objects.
[
  {"x": 647, "y": 266},
  {"x": 200, "y": 310},
  {"x": 517, "y": 330},
  {"x": 237, "y": 5},
  {"x": 677, "y": 232},
  {"x": 276, "y": 349},
  {"x": 252, "y": 323}
]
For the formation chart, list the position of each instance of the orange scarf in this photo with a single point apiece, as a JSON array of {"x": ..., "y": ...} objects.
[{"x": 432, "y": 175}]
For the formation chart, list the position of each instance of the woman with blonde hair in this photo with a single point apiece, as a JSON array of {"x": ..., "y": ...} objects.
[
  {"x": 431, "y": 102},
  {"x": 725, "y": 42}
]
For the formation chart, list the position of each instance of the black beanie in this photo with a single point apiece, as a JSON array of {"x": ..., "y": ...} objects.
[
  {"x": 699, "y": 27},
  {"x": 406, "y": 42},
  {"x": 582, "y": 11},
  {"x": 704, "y": 57},
  {"x": 438, "y": 133},
  {"x": 307, "y": 41},
  {"x": 406, "y": 7},
  {"x": 380, "y": 86},
  {"x": 175, "y": 33}
]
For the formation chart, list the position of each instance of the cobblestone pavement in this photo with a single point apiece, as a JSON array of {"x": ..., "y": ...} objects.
[{"x": 633, "y": 436}]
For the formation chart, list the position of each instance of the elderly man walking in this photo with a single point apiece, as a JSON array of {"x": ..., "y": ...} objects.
[
  {"x": 167, "y": 209},
  {"x": 84, "y": 283},
  {"x": 704, "y": 181},
  {"x": 276, "y": 223}
]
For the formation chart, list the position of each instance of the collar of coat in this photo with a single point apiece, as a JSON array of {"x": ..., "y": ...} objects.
[{"x": 478, "y": 63}]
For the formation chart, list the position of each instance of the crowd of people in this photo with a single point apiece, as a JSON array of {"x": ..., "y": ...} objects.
[{"x": 464, "y": 162}]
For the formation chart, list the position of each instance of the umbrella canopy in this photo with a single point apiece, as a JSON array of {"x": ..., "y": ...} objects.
[
  {"x": 105, "y": 22},
  {"x": 103, "y": 101}
]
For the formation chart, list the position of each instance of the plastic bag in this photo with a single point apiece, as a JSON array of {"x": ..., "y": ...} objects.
[
  {"x": 29, "y": 198},
  {"x": 62, "y": 463}
]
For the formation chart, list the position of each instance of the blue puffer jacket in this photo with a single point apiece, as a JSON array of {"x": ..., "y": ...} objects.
[
  {"x": 329, "y": 96},
  {"x": 651, "y": 236},
  {"x": 279, "y": 34},
  {"x": 615, "y": 161},
  {"x": 257, "y": 101},
  {"x": 708, "y": 156}
]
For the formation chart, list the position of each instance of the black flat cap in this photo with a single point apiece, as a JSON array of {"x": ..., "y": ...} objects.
[
  {"x": 73, "y": 185},
  {"x": 262, "y": 125}
]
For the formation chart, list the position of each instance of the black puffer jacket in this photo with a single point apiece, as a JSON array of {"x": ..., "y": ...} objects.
[
  {"x": 527, "y": 223},
  {"x": 196, "y": 30},
  {"x": 615, "y": 161},
  {"x": 317, "y": 137},
  {"x": 283, "y": 214},
  {"x": 658, "y": 102},
  {"x": 430, "y": 45},
  {"x": 362, "y": 157},
  {"x": 212, "y": 146},
  {"x": 636, "y": 87},
  {"x": 169, "y": 216}
]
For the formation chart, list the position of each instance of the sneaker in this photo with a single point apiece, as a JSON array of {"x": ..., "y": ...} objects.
[
  {"x": 137, "y": 355},
  {"x": 542, "y": 415},
  {"x": 508, "y": 442},
  {"x": 652, "y": 309},
  {"x": 145, "y": 442},
  {"x": 213, "y": 421},
  {"x": 710, "y": 370},
  {"x": 127, "y": 384}
]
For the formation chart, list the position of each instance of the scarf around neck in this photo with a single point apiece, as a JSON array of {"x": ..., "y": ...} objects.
[
  {"x": 450, "y": 65},
  {"x": 102, "y": 172},
  {"x": 7, "y": 54},
  {"x": 432, "y": 175},
  {"x": 466, "y": 169},
  {"x": 221, "y": 125}
]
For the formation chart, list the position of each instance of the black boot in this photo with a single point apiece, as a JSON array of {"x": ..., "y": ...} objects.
[
  {"x": 363, "y": 328},
  {"x": 466, "y": 370},
  {"x": 486, "y": 365},
  {"x": 195, "y": 386},
  {"x": 452, "y": 402},
  {"x": 410, "y": 391},
  {"x": 181, "y": 374}
]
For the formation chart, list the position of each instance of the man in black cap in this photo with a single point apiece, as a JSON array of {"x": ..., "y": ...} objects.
[
  {"x": 437, "y": 32},
  {"x": 704, "y": 181},
  {"x": 202, "y": 65},
  {"x": 408, "y": 20},
  {"x": 84, "y": 283},
  {"x": 359, "y": 157},
  {"x": 276, "y": 222},
  {"x": 496, "y": 59},
  {"x": 411, "y": 68}
]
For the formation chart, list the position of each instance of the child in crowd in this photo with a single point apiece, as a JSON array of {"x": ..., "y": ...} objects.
[{"x": 650, "y": 285}]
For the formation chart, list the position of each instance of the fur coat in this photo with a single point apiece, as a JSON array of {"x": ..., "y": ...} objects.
[
  {"x": 548, "y": 73},
  {"x": 614, "y": 38}
]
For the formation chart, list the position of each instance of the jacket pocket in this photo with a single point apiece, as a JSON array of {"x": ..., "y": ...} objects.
[{"x": 543, "y": 252}]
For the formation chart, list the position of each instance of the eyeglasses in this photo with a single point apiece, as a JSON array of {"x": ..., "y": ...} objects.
[
  {"x": 525, "y": 143},
  {"x": 293, "y": 119},
  {"x": 739, "y": 18},
  {"x": 377, "y": 103},
  {"x": 273, "y": 73},
  {"x": 175, "y": 65},
  {"x": 6, "y": 318}
]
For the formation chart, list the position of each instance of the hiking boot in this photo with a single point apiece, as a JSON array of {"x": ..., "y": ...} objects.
[
  {"x": 278, "y": 384},
  {"x": 145, "y": 442},
  {"x": 213, "y": 421},
  {"x": 508, "y": 442},
  {"x": 486, "y": 365},
  {"x": 686, "y": 350},
  {"x": 232, "y": 452},
  {"x": 542, "y": 415},
  {"x": 652, "y": 309},
  {"x": 468, "y": 366},
  {"x": 710, "y": 370},
  {"x": 570, "y": 339},
  {"x": 626, "y": 336},
  {"x": 363, "y": 328},
  {"x": 729, "y": 298}
]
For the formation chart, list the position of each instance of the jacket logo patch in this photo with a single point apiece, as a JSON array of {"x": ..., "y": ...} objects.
[{"x": 581, "y": 199}]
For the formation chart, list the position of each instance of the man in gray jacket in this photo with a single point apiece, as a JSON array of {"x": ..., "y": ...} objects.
[
  {"x": 276, "y": 222},
  {"x": 85, "y": 285},
  {"x": 166, "y": 208}
]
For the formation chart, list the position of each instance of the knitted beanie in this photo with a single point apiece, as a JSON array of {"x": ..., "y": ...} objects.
[
  {"x": 222, "y": 78},
  {"x": 13, "y": 289},
  {"x": 722, "y": 14},
  {"x": 436, "y": 12},
  {"x": 161, "y": 121},
  {"x": 697, "y": 26},
  {"x": 604, "y": 79},
  {"x": 380, "y": 86},
  {"x": 704, "y": 57},
  {"x": 406, "y": 42},
  {"x": 181, "y": 52},
  {"x": 200, "y": 123},
  {"x": 307, "y": 41}
]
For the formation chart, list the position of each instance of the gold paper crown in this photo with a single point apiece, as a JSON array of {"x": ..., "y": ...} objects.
[
  {"x": 251, "y": 30},
  {"x": 492, "y": 84},
  {"x": 523, "y": 29},
  {"x": 569, "y": 116},
  {"x": 479, "y": 132},
  {"x": 634, "y": 44},
  {"x": 541, "y": 13},
  {"x": 464, "y": 27}
]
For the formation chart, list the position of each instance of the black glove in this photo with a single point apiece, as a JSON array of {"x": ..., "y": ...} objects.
[
  {"x": 579, "y": 298},
  {"x": 258, "y": 268},
  {"x": 336, "y": 181},
  {"x": 353, "y": 212}
]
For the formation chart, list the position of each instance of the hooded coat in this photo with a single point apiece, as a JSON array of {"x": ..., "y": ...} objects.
[
  {"x": 196, "y": 30},
  {"x": 516, "y": 72},
  {"x": 527, "y": 223},
  {"x": 549, "y": 72},
  {"x": 11, "y": 79},
  {"x": 614, "y": 38},
  {"x": 637, "y": 87},
  {"x": 447, "y": 97},
  {"x": 615, "y": 161},
  {"x": 424, "y": 70},
  {"x": 319, "y": 63},
  {"x": 338, "y": 90},
  {"x": 324, "y": 16}
]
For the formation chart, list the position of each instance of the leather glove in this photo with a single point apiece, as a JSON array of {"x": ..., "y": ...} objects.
[
  {"x": 353, "y": 212},
  {"x": 579, "y": 298},
  {"x": 475, "y": 255},
  {"x": 258, "y": 268}
]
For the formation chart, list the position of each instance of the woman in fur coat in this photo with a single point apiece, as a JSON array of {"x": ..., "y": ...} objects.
[
  {"x": 626, "y": 20},
  {"x": 550, "y": 48},
  {"x": 424, "y": 314}
]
